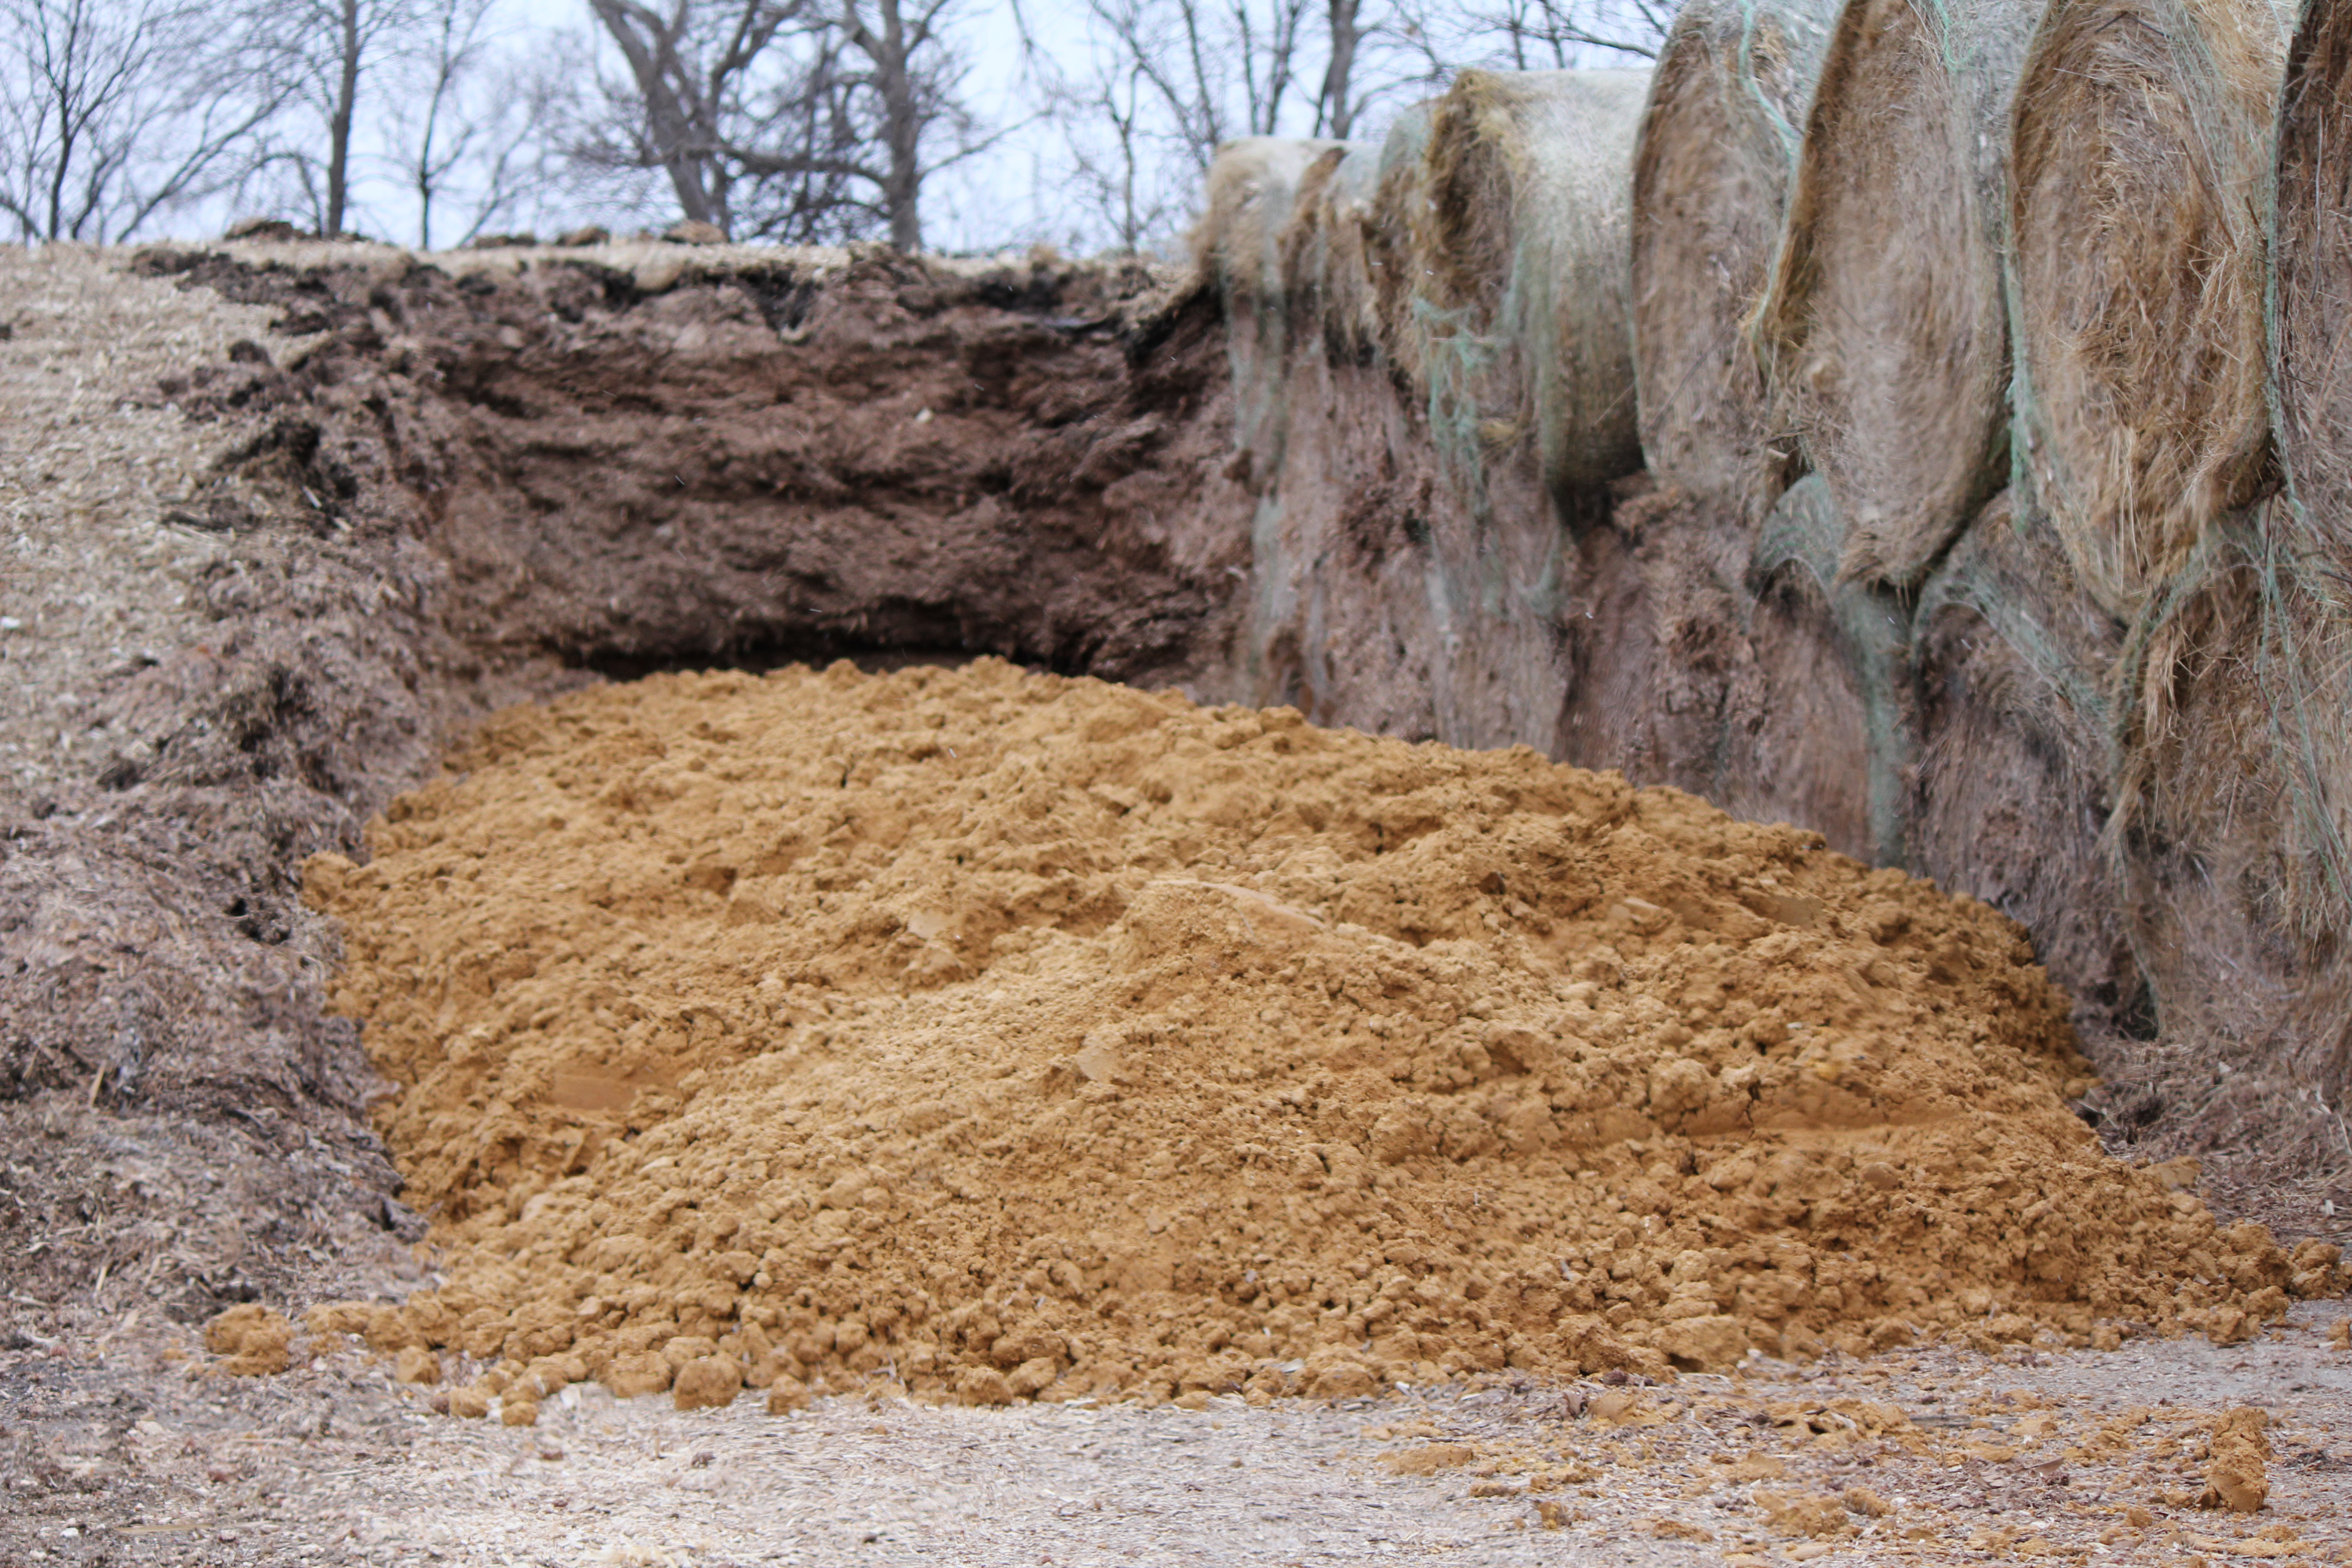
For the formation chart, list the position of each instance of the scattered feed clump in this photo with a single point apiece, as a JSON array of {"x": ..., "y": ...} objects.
[
  {"x": 2237, "y": 1475},
  {"x": 1008, "y": 1036}
]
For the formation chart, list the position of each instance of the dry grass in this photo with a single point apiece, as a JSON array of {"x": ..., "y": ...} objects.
[
  {"x": 1881, "y": 322},
  {"x": 2142, "y": 129},
  {"x": 1718, "y": 148},
  {"x": 1325, "y": 253},
  {"x": 1401, "y": 197},
  {"x": 1254, "y": 188},
  {"x": 2233, "y": 809},
  {"x": 2311, "y": 255}
]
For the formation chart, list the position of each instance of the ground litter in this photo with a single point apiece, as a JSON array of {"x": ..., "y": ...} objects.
[{"x": 1000, "y": 1036}]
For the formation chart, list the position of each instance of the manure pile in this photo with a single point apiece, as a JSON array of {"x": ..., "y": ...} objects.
[{"x": 1010, "y": 1035}]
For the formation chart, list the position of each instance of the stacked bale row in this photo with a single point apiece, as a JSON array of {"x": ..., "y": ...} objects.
[
  {"x": 1480, "y": 251},
  {"x": 2013, "y": 321},
  {"x": 1432, "y": 359},
  {"x": 1991, "y": 528}
]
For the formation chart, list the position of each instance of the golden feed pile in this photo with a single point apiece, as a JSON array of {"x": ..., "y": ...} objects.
[{"x": 1005, "y": 1035}]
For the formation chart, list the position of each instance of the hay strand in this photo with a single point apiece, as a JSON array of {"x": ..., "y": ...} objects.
[
  {"x": 1718, "y": 147},
  {"x": 2311, "y": 255},
  {"x": 1882, "y": 323},
  {"x": 2141, "y": 132}
]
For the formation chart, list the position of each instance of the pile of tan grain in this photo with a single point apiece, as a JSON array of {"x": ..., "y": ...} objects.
[{"x": 1002, "y": 1036}]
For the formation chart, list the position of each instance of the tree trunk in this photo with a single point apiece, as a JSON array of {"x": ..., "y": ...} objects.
[
  {"x": 339, "y": 126},
  {"x": 670, "y": 121},
  {"x": 1339, "y": 111},
  {"x": 902, "y": 123}
]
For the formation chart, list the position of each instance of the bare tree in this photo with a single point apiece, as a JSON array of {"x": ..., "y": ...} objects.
[
  {"x": 792, "y": 120},
  {"x": 1115, "y": 181},
  {"x": 113, "y": 111},
  {"x": 1215, "y": 69},
  {"x": 465, "y": 123},
  {"x": 1162, "y": 84},
  {"x": 1165, "y": 83},
  {"x": 894, "y": 49},
  {"x": 1335, "y": 106},
  {"x": 691, "y": 66},
  {"x": 324, "y": 55},
  {"x": 1546, "y": 34}
]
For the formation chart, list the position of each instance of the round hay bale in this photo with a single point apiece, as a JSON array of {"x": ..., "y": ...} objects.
[
  {"x": 1882, "y": 323},
  {"x": 1324, "y": 257},
  {"x": 2014, "y": 662},
  {"x": 1511, "y": 304},
  {"x": 2141, "y": 134},
  {"x": 1399, "y": 195},
  {"x": 1253, "y": 190},
  {"x": 1855, "y": 637},
  {"x": 1718, "y": 146},
  {"x": 2311, "y": 260},
  {"x": 2233, "y": 808},
  {"x": 1252, "y": 197}
]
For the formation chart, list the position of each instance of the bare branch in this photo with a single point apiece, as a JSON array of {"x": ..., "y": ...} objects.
[{"x": 113, "y": 111}]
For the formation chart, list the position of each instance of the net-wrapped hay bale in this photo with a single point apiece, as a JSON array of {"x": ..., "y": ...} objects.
[
  {"x": 1883, "y": 324},
  {"x": 1252, "y": 192},
  {"x": 1400, "y": 197},
  {"x": 2142, "y": 132},
  {"x": 2311, "y": 258},
  {"x": 1324, "y": 263},
  {"x": 1833, "y": 750},
  {"x": 1718, "y": 146},
  {"x": 2233, "y": 815},
  {"x": 2014, "y": 662},
  {"x": 1510, "y": 306}
]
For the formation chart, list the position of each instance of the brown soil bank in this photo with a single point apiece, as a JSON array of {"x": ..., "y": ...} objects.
[{"x": 1009, "y": 1035}]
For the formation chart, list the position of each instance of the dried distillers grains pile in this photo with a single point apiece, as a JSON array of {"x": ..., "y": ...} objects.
[{"x": 1009, "y": 1035}]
